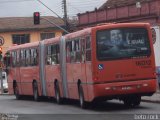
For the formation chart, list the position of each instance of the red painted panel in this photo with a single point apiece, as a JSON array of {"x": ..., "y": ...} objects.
[
  {"x": 101, "y": 15},
  {"x": 122, "y": 12},
  {"x": 27, "y": 75},
  {"x": 151, "y": 21},
  {"x": 133, "y": 11},
  {"x": 52, "y": 74},
  {"x": 92, "y": 17},
  {"x": 145, "y": 9},
  {"x": 154, "y": 7},
  {"x": 111, "y": 14},
  {"x": 83, "y": 19}
]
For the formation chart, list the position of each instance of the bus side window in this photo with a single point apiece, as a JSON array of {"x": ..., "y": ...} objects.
[
  {"x": 28, "y": 57},
  {"x": 88, "y": 48},
  {"x": 35, "y": 57},
  {"x": 13, "y": 59},
  {"x": 68, "y": 51},
  {"x": 55, "y": 54},
  {"x": 72, "y": 52},
  {"x": 48, "y": 56},
  {"x": 83, "y": 49},
  {"x": 77, "y": 50},
  {"x": 18, "y": 59},
  {"x": 25, "y": 51},
  {"x": 32, "y": 57},
  {"x": 22, "y": 57}
]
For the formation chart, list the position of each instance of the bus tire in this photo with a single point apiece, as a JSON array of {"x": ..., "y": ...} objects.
[
  {"x": 137, "y": 101},
  {"x": 16, "y": 92},
  {"x": 127, "y": 102},
  {"x": 132, "y": 101},
  {"x": 35, "y": 92},
  {"x": 57, "y": 94},
  {"x": 82, "y": 102}
]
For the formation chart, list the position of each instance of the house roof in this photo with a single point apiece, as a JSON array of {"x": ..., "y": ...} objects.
[
  {"x": 118, "y": 3},
  {"x": 9, "y": 24}
]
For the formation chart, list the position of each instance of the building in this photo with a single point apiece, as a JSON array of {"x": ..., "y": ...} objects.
[
  {"x": 20, "y": 30},
  {"x": 120, "y": 3},
  {"x": 122, "y": 11}
]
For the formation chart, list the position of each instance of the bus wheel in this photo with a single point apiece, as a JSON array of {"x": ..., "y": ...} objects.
[
  {"x": 137, "y": 101},
  {"x": 127, "y": 102},
  {"x": 57, "y": 94},
  {"x": 35, "y": 92},
  {"x": 82, "y": 102},
  {"x": 16, "y": 92},
  {"x": 132, "y": 101}
]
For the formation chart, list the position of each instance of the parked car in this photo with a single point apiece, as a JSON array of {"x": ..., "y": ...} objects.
[{"x": 5, "y": 84}]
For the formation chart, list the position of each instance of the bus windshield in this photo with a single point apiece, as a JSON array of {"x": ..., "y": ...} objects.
[{"x": 122, "y": 43}]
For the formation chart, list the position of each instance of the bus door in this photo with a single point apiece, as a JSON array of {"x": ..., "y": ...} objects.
[
  {"x": 63, "y": 67},
  {"x": 83, "y": 65},
  {"x": 76, "y": 67},
  {"x": 86, "y": 63},
  {"x": 16, "y": 69}
]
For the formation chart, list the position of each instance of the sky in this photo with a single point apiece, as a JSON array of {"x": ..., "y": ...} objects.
[{"x": 25, "y": 8}]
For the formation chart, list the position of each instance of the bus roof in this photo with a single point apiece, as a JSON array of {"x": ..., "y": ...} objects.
[
  {"x": 52, "y": 40},
  {"x": 112, "y": 25},
  {"x": 83, "y": 32},
  {"x": 33, "y": 44},
  {"x": 87, "y": 31}
]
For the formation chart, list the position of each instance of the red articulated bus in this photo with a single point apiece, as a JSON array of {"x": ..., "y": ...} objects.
[{"x": 110, "y": 61}]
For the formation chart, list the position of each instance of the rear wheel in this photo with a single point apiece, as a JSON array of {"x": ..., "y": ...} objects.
[
  {"x": 16, "y": 92},
  {"x": 82, "y": 102},
  {"x": 132, "y": 101},
  {"x": 35, "y": 91},
  {"x": 57, "y": 94},
  {"x": 137, "y": 101}
]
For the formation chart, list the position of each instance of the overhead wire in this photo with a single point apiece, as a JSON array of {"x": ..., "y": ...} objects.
[
  {"x": 49, "y": 8},
  {"x": 14, "y": 1},
  {"x": 76, "y": 5},
  {"x": 56, "y": 20}
]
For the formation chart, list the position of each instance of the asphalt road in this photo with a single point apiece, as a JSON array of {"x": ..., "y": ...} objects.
[{"x": 47, "y": 109}]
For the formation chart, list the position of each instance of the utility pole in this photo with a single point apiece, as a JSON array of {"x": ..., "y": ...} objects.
[{"x": 65, "y": 15}]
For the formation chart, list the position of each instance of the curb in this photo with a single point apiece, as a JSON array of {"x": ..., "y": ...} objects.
[
  {"x": 150, "y": 101},
  {"x": 5, "y": 94},
  {"x": 155, "y": 98}
]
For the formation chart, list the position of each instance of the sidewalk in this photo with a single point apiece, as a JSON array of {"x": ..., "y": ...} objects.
[{"x": 154, "y": 98}]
